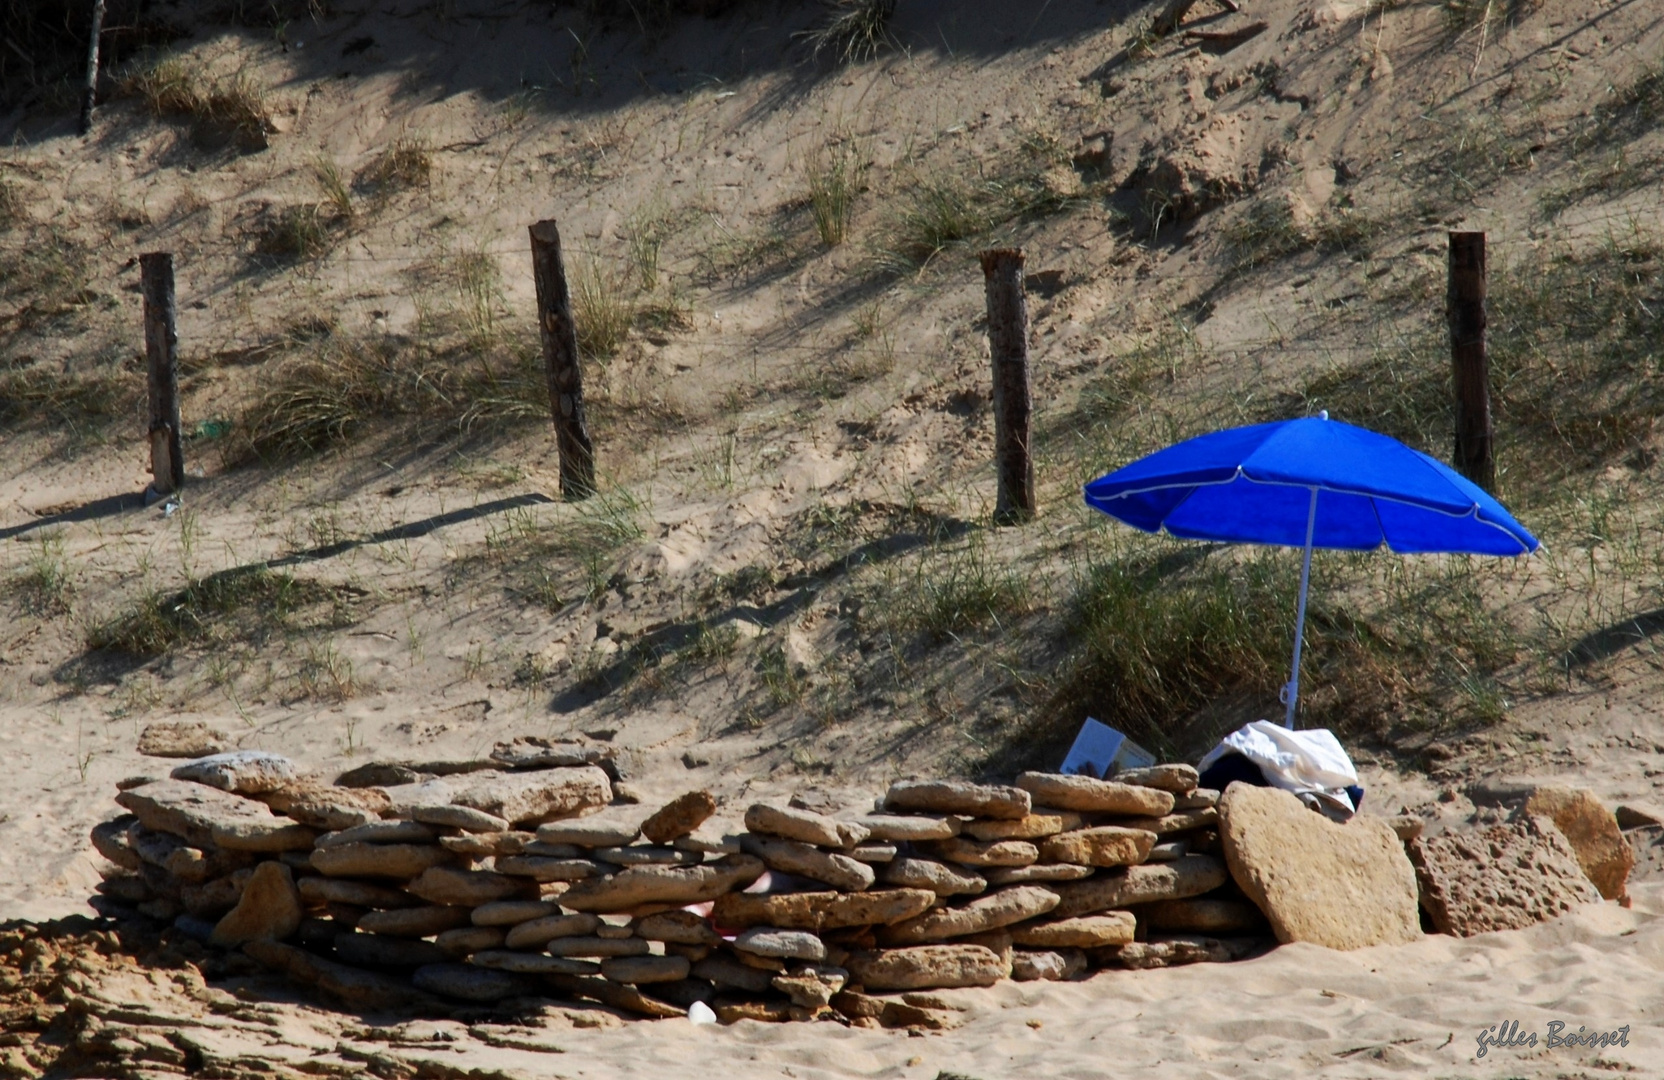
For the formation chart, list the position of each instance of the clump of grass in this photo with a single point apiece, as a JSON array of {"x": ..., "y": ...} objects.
[
  {"x": 11, "y": 204},
  {"x": 336, "y": 192},
  {"x": 325, "y": 674},
  {"x": 330, "y": 394},
  {"x": 47, "y": 276},
  {"x": 52, "y": 392},
  {"x": 603, "y": 308},
  {"x": 956, "y": 591},
  {"x": 836, "y": 175},
  {"x": 243, "y": 604},
  {"x": 223, "y": 110},
  {"x": 942, "y": 211},
  {"x": 299, "y": 231},
  {"x": 855, "y": 30},
  {"x": 480, "y": 281},
  {"x": 43, "y": 586},
  {"x": 644, "y": 235},
  {"x": 1265, "y": 231},
  {"x": 407, "y": 163}
]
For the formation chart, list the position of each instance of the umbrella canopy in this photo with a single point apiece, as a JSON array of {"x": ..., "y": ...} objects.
[{"x": 1312, "y": 482}]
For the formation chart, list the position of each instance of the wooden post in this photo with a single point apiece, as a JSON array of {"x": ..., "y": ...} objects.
[
  {"x": 161, "y": 343},
  {"x": 1465, "y": 310},
  {"x": 560, "y": 358},
  {"x": 1002, "y": 271},
  {"x": 90, "y": 93}
]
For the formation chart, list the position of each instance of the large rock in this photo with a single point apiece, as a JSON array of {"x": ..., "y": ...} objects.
[
  {"x": 1105, "y": 845},
  {"x": 241, "y": 772},
  {"x": 608, "y": 828},
  {"x": 536, "y": 933},
  {"x": 398, "y": 861},
  {"x": 821, "y": 910},
  {"x": 1007, "y": 906},
  {"x": 532, "y": 752},
  {"x": 327, "y": 890},
  {"x": 781, "y": 943},
  {"x": 468, "y": 888},
  {"x": 1342, "y": 886},
  {"x": 414, "y": 922},
  {"x": 641, "y": 885},
  {"x": 1095, "y": 796},
  {"x": 909, "y": 827},
  {"x": 181, "y": 739},
  {"x": 1204, "y": 915},
  {"x": 465, "y": 818},
  {"x": 1503, "y": 878},
  {"x": 1192, "y": 875},
  {"x": 204, "y": 816},
  {"x": 796, "y": 857},
  {"x": 794, "y": 824},
  {"x": 1032, "y": 827},
  {"x": 1592, "y": 830},
  {"x": 469, "y": 982},
  {"x": 1025, "y": 875},
  {"x": 925, "y": 967},
  {"x": 543, "y": 868},
  {"x": 1081, "y": 932},
  {"x": 269, "y": 909},
  {"x": 380, "y": 832},
  {"x": 632, "y": 970},
  {"x": 325, "y": 807},
  {"x": 679, "y": 927},
  {"x": 1030, "y": 965},
  {"x": 939, "y": 878},
  {"x": 530, "y": 798},
  {"x": 992, "y": 853},
  {"x": 958, "y": 797},
  {"x": 1178, "y": 779},
  {"x": 679, "y": 817}
]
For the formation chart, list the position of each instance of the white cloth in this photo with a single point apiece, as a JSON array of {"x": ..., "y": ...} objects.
[{"x": 1307, "y": 762}]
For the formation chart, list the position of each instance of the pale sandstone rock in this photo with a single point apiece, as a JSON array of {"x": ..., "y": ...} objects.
[
  {"x": 679, "y": 817},
  {"x": 1200, "y": 799},
  {"x": 1081, "y": 932},
  {"x": 873, "y": 852},
  {"x": 1203, "y": 915},
  {"x": 1023, "y": 875},
  {"x": 822, "y": 910},
  {"x": 1592, "y": 830},
  {"x": 958, "y": 797},
  {"x": 466, "y": 818},
  {"x": 468, "y": 888},
  {"x": 608, "y": 828},
  {"x": 994, "y": 853},
  {"x": 1028, "y": 965},
  {"x": 1406, "y": 826},
  {"x": 268, "y": 910},
  {"x": 711, "y": 838},
  {"x": 325, "y": 890},
  {"x": 812, "y": 987},
  {"x": 1192, "y": 875},
  {"x": 536, "y": 933},
  {"x": 204, "y": 817},
  {"x": 678, "y": 885},
  {"x": 322, "y": 806},
  {"x": 1095, "y": 796},
  {"x": 614, "y": 994},
  {"x": 780, "y": 943},
  {"x": 648, "y": 855},
  {"x": 181, "y": 739},
  {"x": 1506, "y": 877},
  {"x": 909, "y": 827},
  {"x": 925, "y": 967},
  {"x": 530, "y": 798},
  {"x": 1178, "y": 779},
  {"x": 241, "y": 772},
  {"x": 592, "y": 947},
  {"x": 1105, "y": 845},
  {"x": 414, "y": 922},
  {"x": 399, "y": 861},
  {"x": 541, "y": 868},
  {"x": 492, "y": 845},
  {"x": 677, "y": 927},
  {"x": 513, "y": 912},
  {"x": 796, "y": 857},
  {"x": 764, "y": 1012},
  {"x": 1032, "y": 827},
  {"x": 793, "y": 824},
  {"x": 634, "y": 970},
  {"x": 939, "y": 878},
  {"x": 532, "y": 752},
  {"x": 1012, "y": 904},
  {"x": 380, "y": 832},
  {"x": 1178, "y": 821},
  {"x": 1342, "y": 886}
]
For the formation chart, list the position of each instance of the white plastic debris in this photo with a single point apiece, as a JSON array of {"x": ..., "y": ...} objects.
[
  {"x": 700, "y": 1013},
  {"x": 1307, "y": 762}
]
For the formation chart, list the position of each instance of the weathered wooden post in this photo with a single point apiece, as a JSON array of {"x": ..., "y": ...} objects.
[
  {"x": 560, "y": 358},
  {"x": 90, "y": 91},
  {"x": 1002, "y": 271},
  {"x": 1465, "y": 311},
  {"x": 161, "y": 343}
]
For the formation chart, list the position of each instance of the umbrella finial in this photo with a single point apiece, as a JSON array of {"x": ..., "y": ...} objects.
[{"x": 1323, "y": 414}]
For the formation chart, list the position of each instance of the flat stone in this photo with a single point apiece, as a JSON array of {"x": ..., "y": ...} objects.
[
  {"x": 380, "y": 832},
  {"x": 763, "y": 1012},
  {"x": 414, "y": 922},
  {"x": 324, "y": 807},
  {"x": 1032, "y": 827},
  {"x": 1095, "y": 796},
  {"x": 648, "y": 855},
  {"x": 356, "y": 989},
  {"x": 958, "y": 797},
  {"x": 821, "y": 910},
  {"x": 1168, "y": 851},
  {"x": 268, "y": 910},
  {"x": 467, "y": 982},
  {"x": 609, "y": 828},
  {"x": 1023, "y": 875},
  {"x": 796, "y": 857},
  {"x": 181, "y": 739},
  {"x": 1167, "y": 824},
  {"x": 536, "y": 933},
  {"x": 925, "y": 967},
  {"x": 1203, "y": 915},
  {"x": 541, "y": 868},
  {"x": 724, "y": 970},
  {"x": 1341, "y": 886},
  {"x": 1177, "y": 778},
  {"x": 992, "y": 853},
  {"x": 1506, "y": 877},
  {"x": 1174, "y": 951},
  {"x": 812, "y": 987},
  {"x": 553, "y": 851},
  {"x": 896, "y": 827},
  {"x": 382, "y": 774},
  {"x": 241, "y": 772},
  {"x": 1004, "y": 907},
  {"x": 589, "y": 945},
  {"x": 534, "y": 797},
  {"x": 1104, "y": 845},
  {"x": 679, "y": 817},
  {"x": 1080, "y": 932},
  {"x": 1593, "y": 832},
  {"x": 1637, "y": 815},
  {"x": 780, "y": 943},
  {"x": 465, "y": 818},
  {"x": 377, "y": 950},
  {"x": 805, "y": 826},
  {"x": 491, "y": 845},
  {"x": 1192, "y": 875},
  {"x": 640, "y": 885},
  {"x": 676, "y": 927},
  {"x": 527, "y": 963},
  {"x": 513, "y": 912},
  {"x": 467, "y": 940},
  {"x": 873, "y": 851},
  {"x": 1200, "y": 799},
  {"x": 213, "y": 899},
  {"x": 616, "y": 995},
  {"x": 400, "y": 861},
  {"x": 204, "y": 817},
  {"x": 939, "y": 878},
  {"x": 1028, "y": 965},
  {"x": 325, "y": 890},
  {"x": 193, "y": 865},
  {"x": 467, "y": 888},
  {"x": 111, "y": 840},
  {"x": 532, "y": 752}
]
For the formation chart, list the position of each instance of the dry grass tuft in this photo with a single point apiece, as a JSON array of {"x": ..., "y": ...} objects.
[
  {"x": 405, "y": 165},
  {"x": 222, "y": 111},
  {"x": 602, "y": 307},
  {"x": 855, "y": 30},
  {"x": 836, "y": 176}
]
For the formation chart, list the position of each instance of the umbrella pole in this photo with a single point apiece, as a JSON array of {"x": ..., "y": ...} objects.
[{"x": 1291, "y": 692}]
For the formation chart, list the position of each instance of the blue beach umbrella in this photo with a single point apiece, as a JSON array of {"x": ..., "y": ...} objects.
[{"x": 1309, "y": 483}]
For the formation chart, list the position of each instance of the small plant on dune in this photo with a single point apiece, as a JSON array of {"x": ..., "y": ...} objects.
[
  {"x": 602, "y": 307},
  {"x": 232, "y": 109},
  {"x": 301, "y": 231},
  {"x": 43, "y": 585},
  {"x": 836, "y": 175},
  {"x": 855, "y": 30},
  {"x": 644, "y": 235},
  {"x": 245, "y": 604},
  {"x": 11, "y": 204},
  {"x": 480, "y": 282},
  {"x": 406, "y": 164},
  {"x": 335, "y": 189}
]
